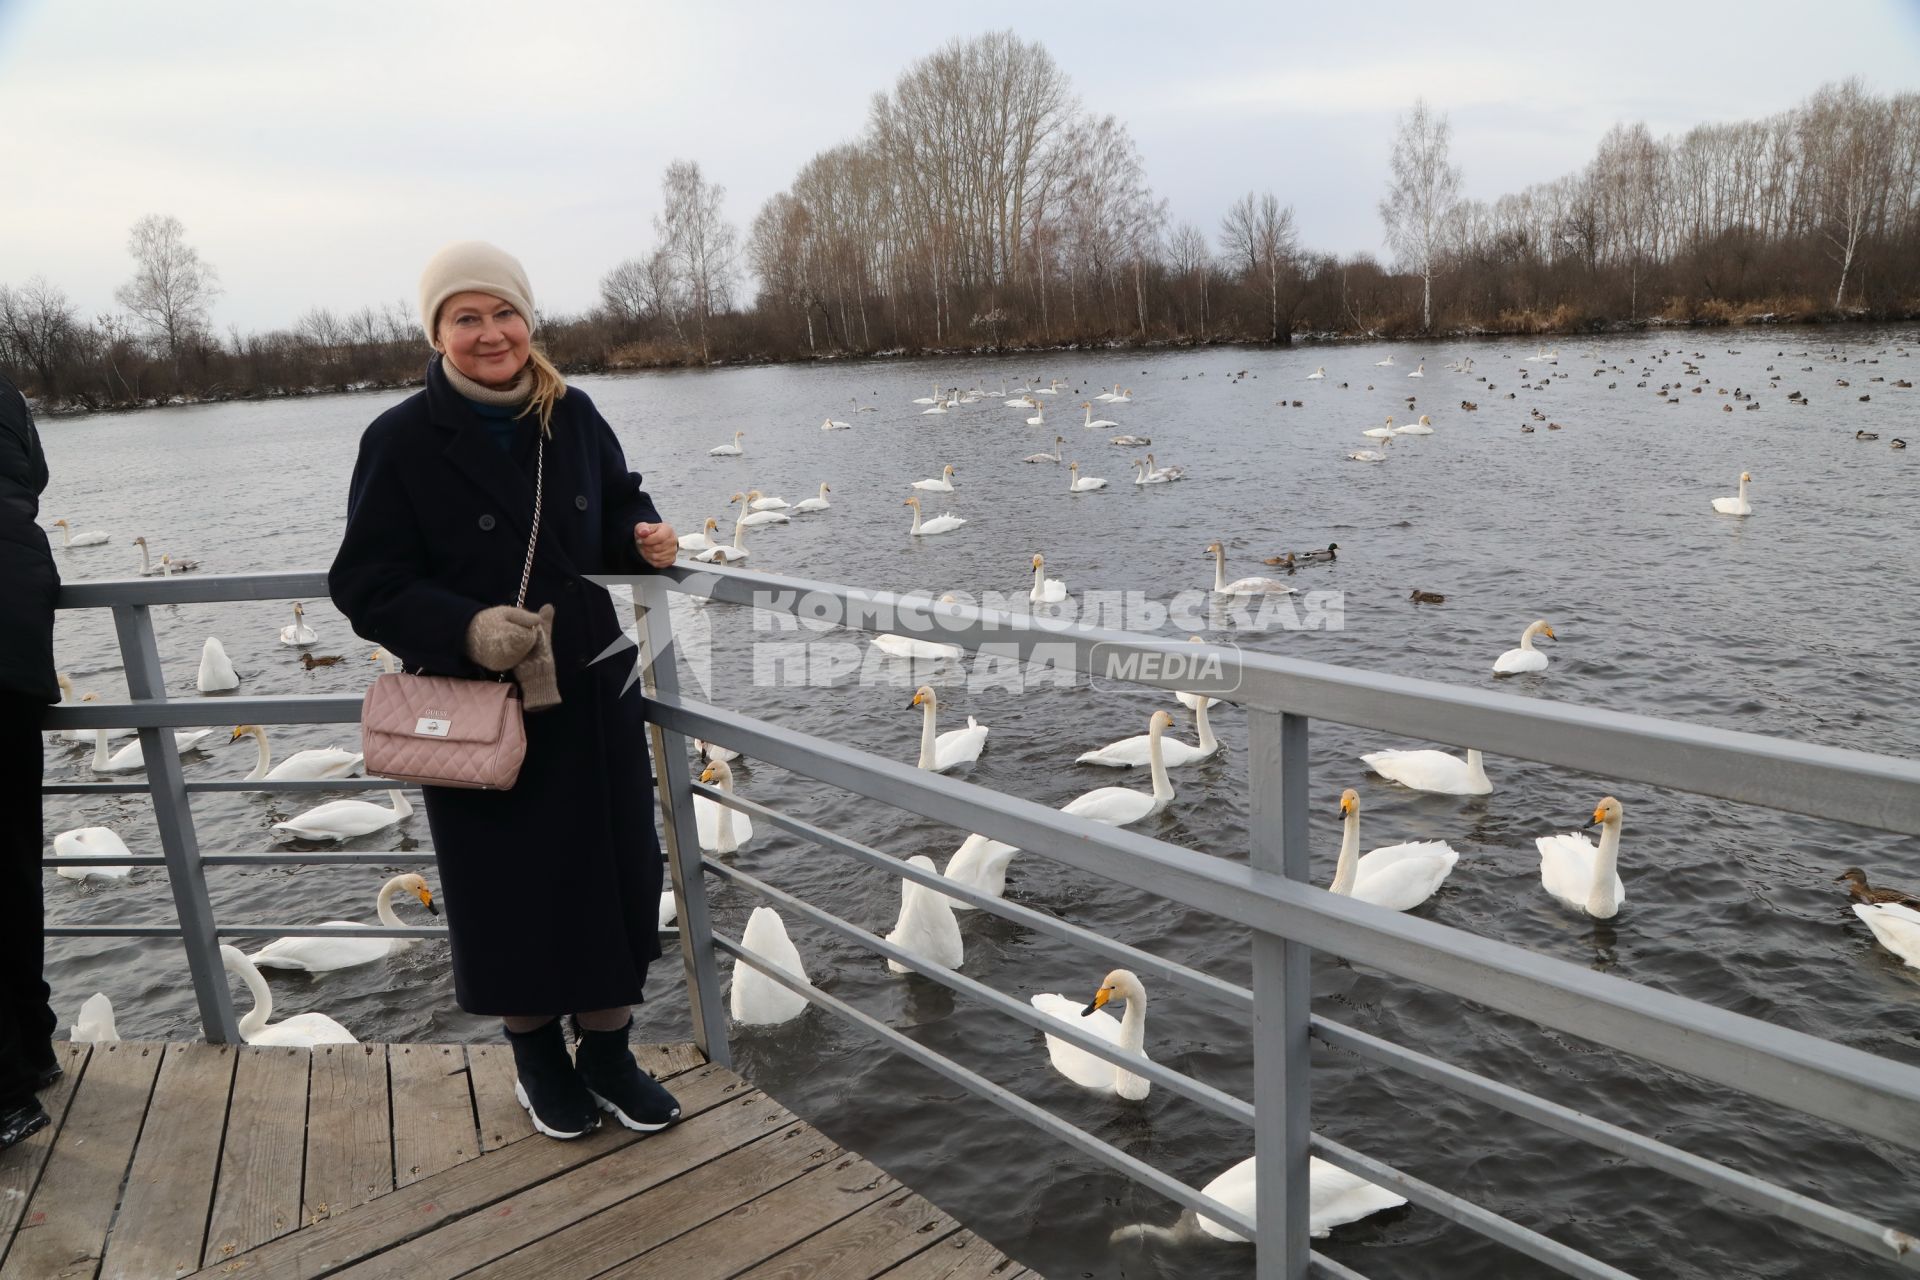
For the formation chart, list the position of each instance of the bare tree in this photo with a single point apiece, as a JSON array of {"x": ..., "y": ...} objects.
[
  {"x": 1421, "y": 195},
  {"x": 1191, "y": 260},
  {"x": 1258, "y": 236},
  {"x": 700, "y": 244},
  {"x": 38, "y": 327},
  {"x": 171, "y": 288},
  {"x": 627, "y": 293},
  {"x": 1845, "y": 131}
]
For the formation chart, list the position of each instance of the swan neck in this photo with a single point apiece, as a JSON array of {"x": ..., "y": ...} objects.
[
  {"x": 383, "y": 905},
  {"x": 256, "y": 1021},
  {"x": 1204, "y": 724},
  {"x": 1220, "y": 570},
  {"x": 100, "y": 748},
  {"x": 916, "y": 517},
  {"x": 1606, "y": 864},
  {"x": 400, "y": 805},
  {"x": 926, "y": 734},
  {"x": 1162, "y": 789},
  {"x": 1476, "y": 767},
  {"x": 1343, "y": 874},
  {"x": 1743, "y": 488},
  {"x": 265, "y": 756},
  {"x": 1037, "y": 580},
  {"x": 1133, "y": 1023}
]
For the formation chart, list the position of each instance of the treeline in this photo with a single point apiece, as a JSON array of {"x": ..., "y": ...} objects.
[{"x": 983, "y": 208}]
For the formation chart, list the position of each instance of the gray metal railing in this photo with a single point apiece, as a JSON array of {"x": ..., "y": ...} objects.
[{"x": 1288, "y": 920}]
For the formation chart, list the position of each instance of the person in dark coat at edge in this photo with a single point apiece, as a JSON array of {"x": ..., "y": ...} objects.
[
  {"x": 28, "y": 582},
  {"x": 552, "y": 887}
]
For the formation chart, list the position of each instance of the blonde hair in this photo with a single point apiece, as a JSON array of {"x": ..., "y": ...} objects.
[{"x": 548, "y": 386}]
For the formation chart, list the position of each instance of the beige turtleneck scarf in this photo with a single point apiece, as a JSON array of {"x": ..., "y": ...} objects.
[{"x": 514, "y": 393}]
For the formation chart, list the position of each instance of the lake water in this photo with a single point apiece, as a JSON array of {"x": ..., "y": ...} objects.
[{"x": 1798, "y": 621}]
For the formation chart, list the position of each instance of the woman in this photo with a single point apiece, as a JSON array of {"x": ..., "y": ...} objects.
[
  {"x": 28, "y": 581},
  {"x": 552, "y": 887}
]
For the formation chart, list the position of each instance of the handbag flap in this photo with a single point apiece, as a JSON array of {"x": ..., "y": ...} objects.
[{"x": 437, "y": 707}]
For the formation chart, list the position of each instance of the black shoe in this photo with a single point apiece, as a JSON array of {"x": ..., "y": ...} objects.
[
  {"x": 546, "y": 1084},
  {"x": 606, "y": 1067},
  {"x": 20, "y": 1121}
]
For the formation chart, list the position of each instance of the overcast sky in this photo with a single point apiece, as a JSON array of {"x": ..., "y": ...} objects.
[{"x": 318, "y": 154}]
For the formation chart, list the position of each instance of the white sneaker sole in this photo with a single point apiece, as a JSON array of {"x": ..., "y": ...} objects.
[
  {"x": 629, "y": 1121},
  {"x": 520, "y": 1094}
]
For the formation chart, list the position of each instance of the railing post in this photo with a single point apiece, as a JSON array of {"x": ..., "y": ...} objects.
[
  {"x": 674, "y": 781},
  {"x": 173, "y": 814},
  {"x": 1282, "y": 1000}
]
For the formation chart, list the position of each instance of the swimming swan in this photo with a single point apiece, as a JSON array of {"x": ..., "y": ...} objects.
[
  {"x": 1526, "y": 657},
  {"x": 939, "y": 524},
  {"x": 1130, "y": 753},
  {"x": 1076, "y": 485},
  {"x": 980, "y": 863},
  {"x": 1127, "y": 1034},
  {"x": 943, "y": 485},
  {"x": 131, "y": 758},
  {"x": 818, "y": 503},
  {"x": 719, "y": 828},
  {"x": 1123, "y": 806},
  {"x": 1578, "y": 874},
  {"x": 302, "y": 1031},
  {"x": 344, "y": 819},
  {"x": 1045, "y": 590},
  {"x": 322, "y": 955},
  {"x": 728, "y": 450},
  {"x": 216, "y": 669},
  {"x": 1241, "y": 586},
  {"x": 926, "y": 925},
  {"x": 757, "y": 1000},
  {"x": 91, "y": 842},
  {"x": 95, "y": 1024},
  {"x": 1430, "y": 770},
  {"x": 1897, "y": 928},
  {"x": 703, "y": 540},
  {"x": 1398, "y": 877},
  {"x": 939, "y": 753},
  {"x": 1737, "y": 505},
  {"x": 311, "y": 765}
]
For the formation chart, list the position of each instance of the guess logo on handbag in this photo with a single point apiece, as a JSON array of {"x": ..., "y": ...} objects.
[{"x": 430, "y": 727}]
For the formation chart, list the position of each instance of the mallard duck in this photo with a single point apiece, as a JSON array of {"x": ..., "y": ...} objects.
[
  {"x": 308, "y": 661},
  {"x": 1863, "y": 435},
  {"x": 1426, "y": 597},
  {"x": 1330, "y": 554},
  {"x": 1860, "y": 891},
  {"x": 1286, "y": 561},
  {"x": 1897, "y": 443}
]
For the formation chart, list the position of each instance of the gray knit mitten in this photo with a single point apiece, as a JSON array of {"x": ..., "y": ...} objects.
[
  {"x": 501, "y": 637},
  {"x": 539, "y": 684}
]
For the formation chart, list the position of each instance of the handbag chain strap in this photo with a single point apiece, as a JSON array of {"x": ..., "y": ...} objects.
[{"x": 539, "y": 484}]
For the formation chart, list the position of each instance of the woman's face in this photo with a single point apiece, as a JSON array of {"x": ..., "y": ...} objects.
[{"x": 484, "y": 337}]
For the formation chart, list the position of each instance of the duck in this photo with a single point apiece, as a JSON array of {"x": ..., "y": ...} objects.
[
  {"x": 1091, "y": 421},
  {"x": 1895, "y": 927},
  {"x": 297, "y": 632},
  {"x": 1131, "y": 753},
  {"x": 753, "y": 519},
  {"x": 724, "y": 553},
  {"x": 1426, "y": 597},
  {"x": 216, "y": 669},
  {"x": 345, "y": 819},
  {"x": 757, "y": 1000},
  {"x": 949, "y": 750},
  {"x": 816, "y": 503},
  {"x": 1398, "y": 877},
  {"x": 95, "y": 1025},
  {"x": 92, "y": 842},
  {"x": 1860, "y": 891},
  {"x": 324, "y": 955},
  {"x": 1045, "y": 590},
  {"x": 311, "y": 765},
  {"x": 1866, "y": 435},
  {"x": 1241, "y": 586},
  {"x": 132, "y": 758},
  {"x": 765, "y": 504},
  {"x": 939, "y": 524},
  {"x": 302, "y": 1031},
  {"x": 1583, "y": 877},
  {"x": 311, "y": 661},
  {"x": 1289, "y": 561},
  {"x": 1075, "y": 484},
  {"x": 1896, "y": 443},
  {"x": 980, "y": 863},
  {"x": 1424, "y": 427},
  {"x": 1325, "y": 555},
  {"x": 1123, "y": 806},
  {"x": 721, "y": 829},
  {"x": 728, "y": 450},
  {"x": 1526, "y": 657},
  {"x": 926, "y": 925},
  {"x": 703, "y": 540},
  {"x": 1435, "y": 771},
  {"x": 1127, "y": 1034},
  {"x": 1738, "y": 504},
  {"x": 68, "y": 538},
  {"x": 942, "y": 485},
  {"x": 1047, "y": 457}
]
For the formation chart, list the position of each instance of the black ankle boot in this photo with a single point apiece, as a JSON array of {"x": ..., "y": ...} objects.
[
  {"x": 21, "y": 1120},
  {"x": 547, "y": 1087},
  {"x": 606, "y": 1067}
]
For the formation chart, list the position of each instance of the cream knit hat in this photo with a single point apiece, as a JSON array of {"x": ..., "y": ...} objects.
[{"x": 473, "y": 265}]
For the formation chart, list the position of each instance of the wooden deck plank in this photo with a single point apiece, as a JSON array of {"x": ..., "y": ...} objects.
[
  {"x": 628, "y": 1230},
  {"x": 258, "y": 1198},
  {"x": 554, "y": 1206},
  {"x": 502, "y": 1119},
  {"x": 349, "y": 1130},
  {"x": 162, "y": 1223},
  {"x": 65, "y": 1227},
  {"x": 393, "y": 1219},
  {"x": 20, "y": 1165},
  {"x": 961, "y": 1256},
  {"x": 433, "y": 1126},
  {"x": 763, "y": 1226},
  {"x": 664, "y": 1060},
  {"x": 863, "y": 1245}
]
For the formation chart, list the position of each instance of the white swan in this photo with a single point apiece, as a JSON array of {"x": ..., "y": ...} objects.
[
  {"x": 1131, "y": 753},
  {"x": 980, "y": 863},
  {"x": 926, "y": 925},
  {"x": 753, "y": 517},
  {"x": 757, "y": 1000},
  {"x": 719, "y": 828},
  {"x": 1047, "y": 457},
  {"x": 1430, "y": 770},
  {"x": 723, "y": 553},
  {"x": 1380, "y": 433},
  {"x": 131, "y": 758},
  {"x": 1526, "y": 657},
  {"x": 932, "y": 399},
  {"x": 298, "y": 632},
  {"x": 1366, "y": 455},
  {"x": 766, "y": 504},
  {"x": 384, "y": 658},
  {"x": 216, "y": 669},
  {"x": 1039, "y": 418},
  {"x": 728, "y": 450},
  {"x": 1334, "y": 1198},
  {"x": 939, "y": 524},
  {"x": 1578, "y": 874},
  {"x": 1895, "y": 927},
  {"x": 703, "y": 540},
  {"x": 1143, "y": 475},
  {"x": 949, "y": 750},
  {"x": 833, "y": 424},
  {"x": 1421, "y": 372},
  {"x": 167, "y": 563},
  {"x": 322, "y": 955},
  {"x": 1398, "y": 877},
  {"x": 91, "y": 842},
  {"x": 711, "y": 751},
  {"x": 1077, "y": 485},
  {"x": 1381, "y": 364},
  {"x": 1241, "y": 586},
  {"x": 1122, "y": 396},
  {"x": 1045, "y": 590},
  {"x": 68, "y": 538},
  {"x": 908, "y": 647},
  {"x": 1130, "y": 441},
  {"x": 95, "y": 1024},
  {"x": 83, "y": 735},
  {"x": 942, "y": 485},
  {"x": 311, "y": 765},
  {"x": 1123, "y": 806},
  {"x": 1171, "y": 471},
  {"x": 1110, "y": 395},
  {"x": 1424, "y": 427},
  {"x": 1737, "y": 505},
  {"x": 819, "y": 503},
  {"x": 1127, "y": 1034},
  {"x": 344, "y": 819},
  {"x": 1317, "y": 374},
  {"x": 1092, "y": 421},
  {"x": 939, "y": 406},
  {"x": 1195, "y": 701},
  {"x": 302, "y": 1031}
]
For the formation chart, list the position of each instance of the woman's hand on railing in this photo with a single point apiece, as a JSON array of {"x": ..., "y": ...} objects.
[{"x": 658, "y": 545}]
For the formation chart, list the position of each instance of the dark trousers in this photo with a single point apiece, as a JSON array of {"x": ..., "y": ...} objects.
[{"x": 26, "y": 1022}]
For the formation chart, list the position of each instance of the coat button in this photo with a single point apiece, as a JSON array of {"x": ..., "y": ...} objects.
[
  {"x": 486, "y": 522},
  {"x": 580, "y": 501}
]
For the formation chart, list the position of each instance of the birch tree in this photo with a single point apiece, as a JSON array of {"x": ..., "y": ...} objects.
[
  {"x": 1258, "y": 236},
  {"x": 172, "y": 289},
  {"x": 700, "y": 245},
  {"x": 1422, "y": 191}
]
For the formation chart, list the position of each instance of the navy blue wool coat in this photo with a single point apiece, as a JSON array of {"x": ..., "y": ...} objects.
[{"x": 552, "y": 888}]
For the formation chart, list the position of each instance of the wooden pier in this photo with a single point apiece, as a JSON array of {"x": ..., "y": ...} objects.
[{"x": 414, "y": 1161}]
